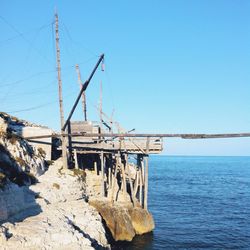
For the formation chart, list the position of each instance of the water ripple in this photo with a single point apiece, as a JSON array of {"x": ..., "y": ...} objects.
[{"x": 198, "y": 203}]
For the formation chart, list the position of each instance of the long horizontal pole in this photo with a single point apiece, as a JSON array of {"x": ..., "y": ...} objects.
[
  {"x": 183, "y": 136},
  {"x": 84, "y": 87}
]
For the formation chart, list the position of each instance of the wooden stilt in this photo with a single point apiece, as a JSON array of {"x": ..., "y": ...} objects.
[
  {"x": 142, "y": 171},
  {"x": 146, "y": 176},
  {"x": 95, "y": 167},
  {"x": 76, "y": 160},
  {"x": 70, "y": 151},
  {"x": 102, "y": 175},
  {"x": 146, "y": 184},
  {"x": 114, "y": 180},
  {"x": 109, "y": 174},
  {"x": 130, "y": 181},
  {"x": 124, "y": 186},
  {"x": 140, "y": 189},
  {"x": 136, "y": 184}
]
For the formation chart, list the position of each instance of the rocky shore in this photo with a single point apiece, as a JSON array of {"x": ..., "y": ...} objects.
[{"x": 43, "y": 206}]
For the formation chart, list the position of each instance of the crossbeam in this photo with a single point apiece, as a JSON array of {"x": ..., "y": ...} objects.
[{"x": 128, "y": 135}]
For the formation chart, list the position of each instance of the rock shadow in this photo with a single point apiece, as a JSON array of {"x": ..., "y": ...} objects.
[
  {"x": 17, "y": 201},
  {"x": 94, "y": 242}
]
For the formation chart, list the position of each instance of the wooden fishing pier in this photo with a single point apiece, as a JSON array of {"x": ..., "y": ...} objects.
[{"x": 106, "y": 149}]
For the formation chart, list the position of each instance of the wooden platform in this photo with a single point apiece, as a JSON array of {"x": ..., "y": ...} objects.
[{"x": 153, "y": 145}]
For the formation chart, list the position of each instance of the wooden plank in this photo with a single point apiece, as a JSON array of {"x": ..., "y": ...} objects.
[{"x": 115, "y": 145}]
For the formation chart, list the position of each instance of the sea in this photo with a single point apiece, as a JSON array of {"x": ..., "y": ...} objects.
[{"x": 197, "y": 203}]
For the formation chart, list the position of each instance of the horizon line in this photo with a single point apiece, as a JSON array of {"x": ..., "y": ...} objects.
[{"x": 173, "y": 155}]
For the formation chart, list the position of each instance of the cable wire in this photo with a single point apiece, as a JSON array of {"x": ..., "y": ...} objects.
[
  {"x": 23, "y": 37},
  {"x": 24, "y": 33}
]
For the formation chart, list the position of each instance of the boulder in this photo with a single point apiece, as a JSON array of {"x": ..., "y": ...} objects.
[
  {"x": 117, "y": 219},
  {"x": 123, "y": 220},
  {"x": 142, "y": 220}
]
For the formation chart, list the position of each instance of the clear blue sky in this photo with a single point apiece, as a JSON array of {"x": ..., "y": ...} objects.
[{"x": 171, "y": 66}]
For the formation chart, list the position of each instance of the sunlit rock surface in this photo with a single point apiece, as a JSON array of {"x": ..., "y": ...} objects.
[
  {"x": 65, "y": 220},
  {"x": 123, "y": 220}
]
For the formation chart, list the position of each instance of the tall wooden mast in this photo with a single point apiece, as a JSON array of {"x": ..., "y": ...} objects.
[
  {"x": 84, "y": 105},
  {"x": 64, "y": 146}
]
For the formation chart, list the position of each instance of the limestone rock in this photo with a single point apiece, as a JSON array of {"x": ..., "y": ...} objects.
[
  {"x": 3, "y": 125},
  {"x": 65, "y": 220},
  {"x": 123, "y": 220},
  {"x": 93, "y": 184},
  {"x": 14, "y": 200},
  {"x": 142, "y": 220},
  {"x": 52, "y": 229},
  {"x": 59, "y": 185},
  {"x": 117, "y": 219}
]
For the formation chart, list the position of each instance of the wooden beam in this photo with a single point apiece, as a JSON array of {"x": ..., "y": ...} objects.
[{"x": 183, "y": 136}]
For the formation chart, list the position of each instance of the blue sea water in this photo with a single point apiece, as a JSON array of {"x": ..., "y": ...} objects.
[{"x": 198, "y": 203}]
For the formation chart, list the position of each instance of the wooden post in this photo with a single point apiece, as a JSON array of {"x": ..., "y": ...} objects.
[
  {"x": 114, "y": 179},
  {"x": 124, "y": 185},
  {"x": 70, "y": 151},
  {"x": 146, "y": 177},
  {"x": 130, "y": 181},
  {"x": 140, "y": 180},
  {"x": 142, "y": 170},
  {"x": 136, "y": 183},
  {"x": 140, "y": 189},
  {"x": 102, "y": 175},
  {"x": 76, "y": 160},
  {"x": 146, "y": 184},
  {"x": 95, "y": 167},
  {"x": 109, "y": 174},
  {"x": 64, "y": 146}
]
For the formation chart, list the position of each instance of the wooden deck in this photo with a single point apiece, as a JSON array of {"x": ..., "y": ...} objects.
[{"x": 152, "y": 145}]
